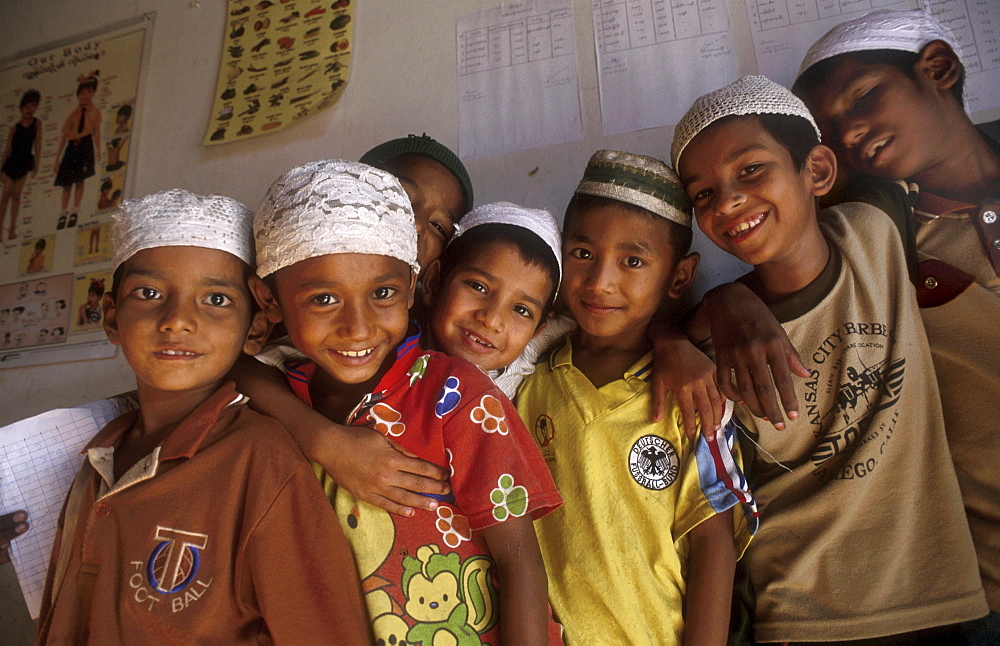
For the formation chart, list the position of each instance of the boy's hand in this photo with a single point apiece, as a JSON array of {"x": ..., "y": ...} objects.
[
  {"x": 751, "y": 350},
  {"x": 681, "y": 368},
  {"x": 380, "y": 472},
  {"x": 12, "y": 525}
]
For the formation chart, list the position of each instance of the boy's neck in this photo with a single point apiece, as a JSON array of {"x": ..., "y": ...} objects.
[
  {"x": 603, "y": 360},
  {"x": 336, "y": 400},
  {"x": 776, "y": 281},
  {"x": 160, "y": 412},
  {"x": 969, "y": 171}
]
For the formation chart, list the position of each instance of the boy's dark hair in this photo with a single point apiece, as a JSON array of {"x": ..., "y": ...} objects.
[
  {"x": 529, "y": 246},
  {"x": 88, "y": 82},
  {"x": 106, "y": 185},
  {"x": 31, "y": 96},
  {"x": 40, "y": 244},
  {"x": 903, "y": 61},
  {"x": 795, "y": 134},
  {"x": 680, "y": 236},
  {"x": 124, "y": 111}
]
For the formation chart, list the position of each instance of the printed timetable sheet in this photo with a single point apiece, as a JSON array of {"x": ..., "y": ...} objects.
[
  {"x": 655, "y": 57},
  {"x": 39, "y": 457},
  {"x": 783, "y": 30},
  {"x": 517, "y": 79}
]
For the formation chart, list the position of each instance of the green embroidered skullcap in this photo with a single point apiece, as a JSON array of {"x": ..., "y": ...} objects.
[
  {"x": 642, "y": 181},
  {"x": 421, "y": 145}
]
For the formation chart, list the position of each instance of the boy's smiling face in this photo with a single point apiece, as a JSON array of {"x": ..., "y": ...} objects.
[
  {"x": 181, "y": 315},
  {"x": 881, "y": 122},
  {"x": 748, "y": 197},
  {"x": 618, "y": 266},
  {"x": 347, "y": 312},
  {"x": 437, "y": 198},
  {"x": 490, "y": 306}
]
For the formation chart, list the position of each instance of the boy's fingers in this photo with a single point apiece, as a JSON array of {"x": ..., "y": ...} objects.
[
  {"x": 767, "y": 398},
  {"x": 706, "y": 412},
  {"x": 724, "y": 379},
  {"x": 409, "y": 463},
  {"x": 391, "y": 507},
  {"x": 659, "y": 400},
  {"x": 786, "y": 388},
  {"x": 688, "y": 419},
  {"x": 747, "y": 391}
]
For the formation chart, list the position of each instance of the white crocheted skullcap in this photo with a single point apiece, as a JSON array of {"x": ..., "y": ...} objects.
[
  {"x": 538, "y": 221},
  {"x": 639, "y": 180},
  {"x": 333, "y": 206},
  {"x": 747, "y": 96},
  {"x": 902, "y": 30},
  {"x": 177, "y": 218}
]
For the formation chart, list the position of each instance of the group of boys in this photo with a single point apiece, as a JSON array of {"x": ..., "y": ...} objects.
[{"x": 638, "y": 525}]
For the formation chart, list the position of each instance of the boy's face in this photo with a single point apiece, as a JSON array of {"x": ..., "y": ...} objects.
[
  {"x": 618, "y": 266},
  {"x": 85, "y": 95},
  {"x": 490, "y": 306},
  {"x": 181, "y": 316},
  {"x": 28, "y": 110},
  {"x": 347, "y": 312},
  {"x": 437, "y": 198},
  {"x": 748, "y": 197},
  {"x": 881, "y": 122}
]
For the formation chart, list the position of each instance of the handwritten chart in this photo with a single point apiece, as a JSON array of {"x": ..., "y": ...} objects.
[{"x": 647, "y": 74}]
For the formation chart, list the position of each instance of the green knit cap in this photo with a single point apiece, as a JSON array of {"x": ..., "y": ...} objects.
[
  {"x": 421, "y": 145},
  {"x": 643, "y": 181}
]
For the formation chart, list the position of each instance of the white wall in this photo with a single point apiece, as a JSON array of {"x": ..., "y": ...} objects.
[{"x": 403, "y": 81}]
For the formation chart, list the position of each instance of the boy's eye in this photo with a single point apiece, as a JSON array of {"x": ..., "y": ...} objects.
[
  {"x": 323, "y": 299},
  {"x": 701, "y": 195},
  {"x": 750, "y": 169},
  {"x": 145, "y": 293},
  {"x": 864, "y": 98},
  {"x": 477, "y": 286},
  {"x": 383, "y": 293},
  {"x": 218, "y": 300},
  {"x": 521, "y": 310},
  {"x": 634, "y": 262},
  {"x": 580, "y": 253},
  {"x": 441, "y": 230}
]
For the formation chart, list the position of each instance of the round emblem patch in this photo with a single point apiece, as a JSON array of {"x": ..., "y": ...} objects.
[{"x": 653, "y": 462}]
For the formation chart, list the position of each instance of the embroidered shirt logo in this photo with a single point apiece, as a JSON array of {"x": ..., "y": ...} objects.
[
  {"x": 175, "y": 560},
  {"x": 653, "y": 462}
]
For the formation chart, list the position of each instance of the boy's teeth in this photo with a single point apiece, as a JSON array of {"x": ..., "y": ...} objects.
[
  {"x": 178, "y": 352},
  {"x": 743, "y": 227},
  {"x": 477, "y": 339},
  {"x": 359, "y": 353}
]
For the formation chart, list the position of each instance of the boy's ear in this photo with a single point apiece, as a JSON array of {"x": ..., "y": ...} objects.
[
  {"x": 265, "y": 298},
  {"x": 938, "y": 62},
  {"x": 413, "y": 289},
  {"x": 431, "y": 282},
  {"x": 683, "y": 275},
  {"x": 258, "y": 334},
  {"x": 821, "y": 164},
  {"x": 111, "y": 319}
]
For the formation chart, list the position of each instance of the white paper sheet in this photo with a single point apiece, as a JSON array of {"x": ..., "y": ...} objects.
[
  {"x": 39, "y": 457},
  {"x": 517, "y": 79},
  {"x": 783, "y": 30},
  {"x": 655, "y": 57}
]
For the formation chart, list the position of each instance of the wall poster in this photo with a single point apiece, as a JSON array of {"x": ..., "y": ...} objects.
[
  {"x": 68, "y": 115},
  {"x": 281, "y": 61}
]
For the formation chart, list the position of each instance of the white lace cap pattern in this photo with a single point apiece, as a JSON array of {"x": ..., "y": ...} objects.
[
  {"x": 177, "y": 218},
  {"x": 746, "y": 96},
  {"x": 333, "y": 206},
  {"x": 901, "y": 30},
  {"x": 539, "y": 221}
]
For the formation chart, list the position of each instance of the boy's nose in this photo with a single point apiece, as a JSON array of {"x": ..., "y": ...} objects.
[
  {"x": 354, "y": 322},
  {"x": 489, "y": 316},
  {"x": 853, "y": 132},
  {"x": 178, "y": 316},
  {"x": 728, "y": 200},
  {"x": 601, "y": 276}
]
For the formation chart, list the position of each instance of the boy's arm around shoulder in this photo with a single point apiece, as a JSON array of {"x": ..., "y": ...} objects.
[
  {"x": 297, "y": 567},
  {"x": 361, "y": 460},
  {"x": 711, "y": 566}
]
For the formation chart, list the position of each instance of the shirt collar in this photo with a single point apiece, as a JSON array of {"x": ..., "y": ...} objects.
[
  {"x": 641, "y": 370},
  {"x": 931, "y": 205},
  {"x": 185, "y": 440}
]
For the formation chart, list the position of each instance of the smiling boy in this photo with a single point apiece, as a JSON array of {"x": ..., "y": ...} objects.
[
  {"x": 887, "y": 92},
  {"x": 643, "y": 551},
  {"x": 337, "y": 250},
  {"x": 177, "y": 528},
  {"x": 860, "y": 505}
]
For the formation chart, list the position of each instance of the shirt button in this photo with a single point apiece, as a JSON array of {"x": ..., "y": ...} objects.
[
  {"x": 930, "y": 282},
  {"x": 989, "y": 217},
  {"x": 996, "y": 243},
  {"x": 102, "y": 509}
]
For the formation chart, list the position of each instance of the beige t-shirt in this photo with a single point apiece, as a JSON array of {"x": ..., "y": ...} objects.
[{"x": 862, "y": 531}]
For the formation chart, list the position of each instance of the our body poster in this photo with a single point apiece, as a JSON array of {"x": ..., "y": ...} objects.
[
  {"x": 281, "y": 61},
  {"x": 67, "y": 122}
]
